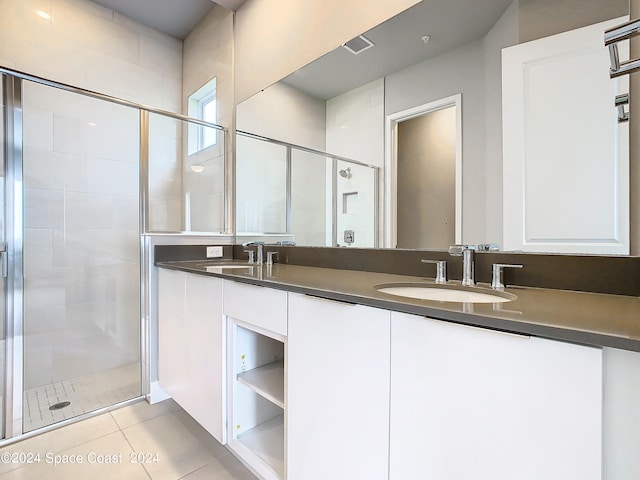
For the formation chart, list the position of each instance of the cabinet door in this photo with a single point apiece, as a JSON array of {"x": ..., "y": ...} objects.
[
  {"x": 191, "y": 347},
  {"x": 469, "y": 403},
  {"x": 337, "y": 400}
]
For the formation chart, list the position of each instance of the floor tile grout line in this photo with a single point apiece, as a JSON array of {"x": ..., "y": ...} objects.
[{"x": 133, "y": 450}]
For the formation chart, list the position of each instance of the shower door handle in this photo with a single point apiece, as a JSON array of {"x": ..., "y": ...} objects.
[{"x": 4, "y": 265}]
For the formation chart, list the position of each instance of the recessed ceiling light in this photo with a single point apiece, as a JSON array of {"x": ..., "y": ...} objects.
[
  {"x": 43, "y": 14},
  {"x": 426, "y": 38},
  {"x": 92, "y": 124}
]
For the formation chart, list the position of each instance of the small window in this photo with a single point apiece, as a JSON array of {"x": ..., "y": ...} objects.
[{"x": 203, "y": 106}]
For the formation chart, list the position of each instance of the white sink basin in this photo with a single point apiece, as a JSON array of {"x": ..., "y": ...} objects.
[{"x": 444, "y": 293}]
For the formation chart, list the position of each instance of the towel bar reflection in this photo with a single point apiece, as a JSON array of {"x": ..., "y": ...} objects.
[
  {"x": 621, "y": 101},
  {"x": 615, "y": 35}
]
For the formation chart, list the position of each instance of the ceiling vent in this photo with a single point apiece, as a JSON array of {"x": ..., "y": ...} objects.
[{"x": 358, "y": 45}]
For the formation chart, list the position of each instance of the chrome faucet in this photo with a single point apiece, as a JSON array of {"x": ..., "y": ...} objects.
[
  {"x": 259, "y": 251},
  {"x": 468, "y": 262}
]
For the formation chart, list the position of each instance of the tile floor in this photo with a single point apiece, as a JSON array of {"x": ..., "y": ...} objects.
[
  {"x": 168, "y": 443},
  {"x": 85, "y": 394}
]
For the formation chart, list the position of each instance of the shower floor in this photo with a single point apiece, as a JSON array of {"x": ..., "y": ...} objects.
[{"x": 85, "y": 394}]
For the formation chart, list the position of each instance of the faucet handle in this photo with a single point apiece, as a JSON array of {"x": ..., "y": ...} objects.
[
  {"x": 270, "y": 256},
  {"x": 441, "y": 270},
  {"x": 252, "y": 255},
  {"x": 496, "y": 277}
]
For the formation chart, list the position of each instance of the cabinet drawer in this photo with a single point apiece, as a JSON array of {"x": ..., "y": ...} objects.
[{"x": 259, "y": 306}]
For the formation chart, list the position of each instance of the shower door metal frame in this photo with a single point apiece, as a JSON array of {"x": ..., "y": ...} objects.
[
  {"x": 14, "y": 282},
  {"x": 14, "y": 221}
]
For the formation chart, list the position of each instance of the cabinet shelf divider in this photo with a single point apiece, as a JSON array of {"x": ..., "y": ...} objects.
[{"x": 267, "y": 381}]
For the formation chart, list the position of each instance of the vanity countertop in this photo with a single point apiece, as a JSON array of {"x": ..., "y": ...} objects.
[{"x": 596, "y": 319}]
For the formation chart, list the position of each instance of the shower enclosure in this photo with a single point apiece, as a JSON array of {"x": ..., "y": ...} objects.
[{"x": 85, "y": 178}]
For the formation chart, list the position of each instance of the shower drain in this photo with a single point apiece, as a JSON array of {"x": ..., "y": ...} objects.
[{"x": 59, "y": 405}]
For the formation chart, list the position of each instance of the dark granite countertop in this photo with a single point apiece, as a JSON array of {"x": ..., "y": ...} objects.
[{"x": 595, "y": 319}]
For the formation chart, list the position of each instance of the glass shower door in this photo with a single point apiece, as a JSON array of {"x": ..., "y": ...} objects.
[
  {"x": 3, "y": 254},
  {"x": 81, "y": 255}
]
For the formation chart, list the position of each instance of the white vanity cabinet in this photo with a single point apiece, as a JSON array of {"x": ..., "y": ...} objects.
[
  {"x": 474, "y": 403},
  {"x": 337, "y": 390},
  {"x": 323, "y": 389},
  {"x": 191, "y": 346}
]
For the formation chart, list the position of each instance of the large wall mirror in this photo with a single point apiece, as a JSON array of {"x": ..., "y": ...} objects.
[{"x": 455, "y": 121}]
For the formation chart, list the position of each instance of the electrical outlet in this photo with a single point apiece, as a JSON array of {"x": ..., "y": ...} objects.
[{"x": 214, "y": 252}]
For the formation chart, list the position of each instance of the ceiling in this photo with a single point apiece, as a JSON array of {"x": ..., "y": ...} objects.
[
  {"x": 173, "y": 17},
  {"x": 399, "y": 44}
]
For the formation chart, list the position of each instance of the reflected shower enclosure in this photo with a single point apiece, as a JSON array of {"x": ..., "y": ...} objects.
[{"x": 286, "y": 192}]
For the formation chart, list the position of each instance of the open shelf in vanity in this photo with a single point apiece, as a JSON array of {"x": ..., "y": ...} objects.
[
  {"x": 267, "y": 381},
  {"x": 257, "y": 423}
]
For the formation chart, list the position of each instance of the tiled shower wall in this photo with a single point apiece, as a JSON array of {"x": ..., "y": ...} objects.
[
  {"x": 90, "y": 46},
  {"x": 81, "y": 178}
]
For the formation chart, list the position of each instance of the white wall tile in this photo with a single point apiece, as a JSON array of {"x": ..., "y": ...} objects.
[
  {"x": 160, "y": 57},
  {"x": 124, "y": 212},
  {"x": 87, "y": 210},
  {"x": 38, "y": 251},
  {"x": 92, "y": 8},
  {"x": 43, "y": 208},
  {"x": 75, "y": 25},
  {"x": 38, "y": 361},
  {"x": 38, "y": 128},
  {"x": 112, "y": 177},
  {"x": 52, "y": 170},
  {"x": 44, "y": 299},
  {"x": 110, "y": 133}
]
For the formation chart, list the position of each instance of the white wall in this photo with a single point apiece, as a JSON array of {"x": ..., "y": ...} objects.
[
  {"x": 355, "y": 124},
  {"x": 284, "y": 113},
  {"x": 503, "y": 34},
  {"x": 81, "y": 179},
  {"x": 459, "y": 71},
  {"x": 634, "y": 143},
  {"x": 208, "y": 53}
]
